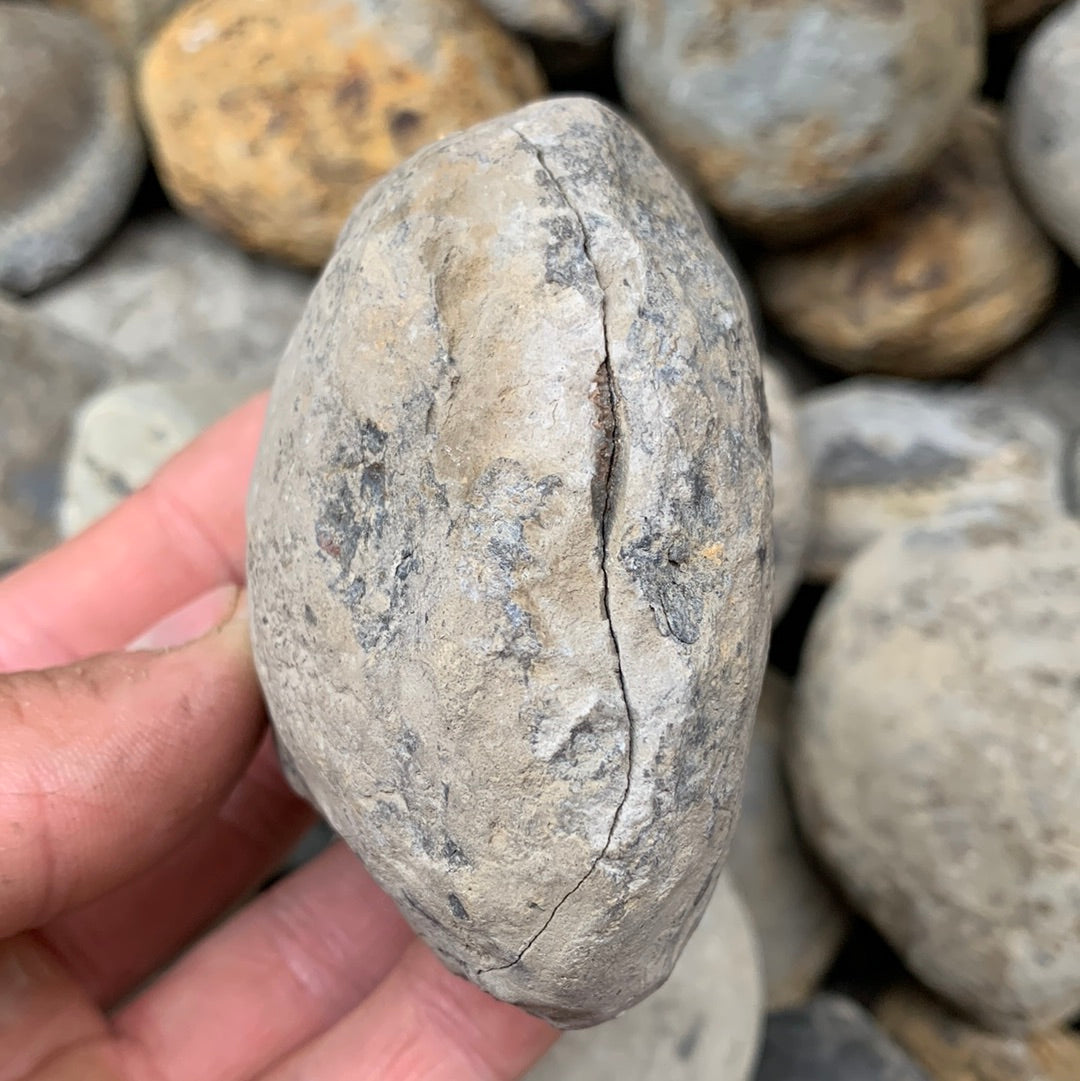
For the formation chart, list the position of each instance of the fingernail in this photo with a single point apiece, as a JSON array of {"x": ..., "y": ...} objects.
[{"x": 192, "y": 621}]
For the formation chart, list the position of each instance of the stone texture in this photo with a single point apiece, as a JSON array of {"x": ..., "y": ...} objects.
[
  {"x": 128, "y": 24},
  {"x": 951, "y": 1049},
  {"x": 71, "y": 154},
  {"x": 270, "y": 122},
  {"x": 705, "y": 1022},
  {"x": 832, "y": 1038},
  {"x": 935, "y": 761},
  {"x": 1005, "y": 14},
  {"x": 46, "y": 375},
  {"x": 1043, "y": 125},
  {"x": 509, "y": 555},
  {"x": 123, "y": 434},
  {"x": 578, "y": 21},
  {"x": 791, "y": 487},
  {"x": 800, "y": 919},
  {"x": 794, "y": 115},
  {"x": 179, "y": 302},
  {"x": 884, "y": 454},
  {"x": 933, "y": 288}
]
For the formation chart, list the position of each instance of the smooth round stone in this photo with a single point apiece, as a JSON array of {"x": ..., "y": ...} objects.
[
  {"x": 934, "y": 755},
  {"x": 46, "y": 375},
  {"x": 831, "y": 1038},
  {"x": 270, "y": 122},
  {"x": 1006, "y": 14},
  {"x": 935, "y": 287},
  {"x": 126, "y": 23},
  {"x": 794, "y": 116},
  {"x": 800, "y": 920},
  {"x": 791, "y": 487},
  {"x": 71, "y": 155},
  {"x": 952, "y": 1049},
  {"x": 1043, "y": 125},
  {"x": 179, "y": 302},
  {"x": 705, "y": 1022},
  {"x": 885, "y": 454},
  {"x": 123, "y": 434},
  {"x": 579, "y": 21}
]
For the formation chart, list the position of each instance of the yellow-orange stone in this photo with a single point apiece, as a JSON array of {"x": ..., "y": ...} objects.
[{"x": 269, "y": 119}]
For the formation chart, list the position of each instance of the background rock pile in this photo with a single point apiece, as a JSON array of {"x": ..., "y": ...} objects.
[{"x": 898, "y": 184}]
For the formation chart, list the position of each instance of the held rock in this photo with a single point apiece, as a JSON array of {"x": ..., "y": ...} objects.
[{"x": 509, "y": 555}]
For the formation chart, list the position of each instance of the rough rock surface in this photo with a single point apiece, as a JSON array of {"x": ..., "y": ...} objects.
[
  {"x": 179, "y": 302},
  {"x": 885, "y": 454},
  {"x": 932, "y": 288},
  {"x": 935, "y": 759},
  {"x": 579, "y": 21},
  {"x": 791, "y": 487},
  {"x": 123, "y": 434},
  {"x": 831, "y": 1038},
  {"x": 951, "y": 1049},
  {"x": 509, "y": 555},
  {"x": 70, "y": 150},
  {"x": 800, "y": 919},
  {"x": 705, "y": 1022},
  {"x": 795, "y": 114},
  {"x": 1005, "y": 14},
  {"x": 46, "y": 375},
  {"x": 126, "y": 23},
  {"x": 1043, "y": 125},
  {"x": 270, "y": 122}
]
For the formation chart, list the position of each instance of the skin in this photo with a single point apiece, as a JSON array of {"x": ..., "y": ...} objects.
[{"x": 140, "y": 798}]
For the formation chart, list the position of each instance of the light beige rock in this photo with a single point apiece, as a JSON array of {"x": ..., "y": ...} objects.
[
  {"x": 935, "y": 759},
  {"x": 509, "y": 555},
  {"x": 952, "y": 1049},
  {"x": 885, "y": 454},
  {"x": 800, "y": 919},
  {"x": 795, "y": 115},
  {"x": 578, "y": 21},
  {"x": 705, "y": 1022},
  {"x": 933, "y": 288}
]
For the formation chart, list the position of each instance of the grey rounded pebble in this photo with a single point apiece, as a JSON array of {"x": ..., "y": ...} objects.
[
  {"x": 832, "y": 1038},
  {"x": 796, "y": 115},
  {"x": 935, "y": 759},
  {"x": 180, "y": 302},
  {"x": 509, "y": 555},
  {"x": 71, "y": 155},
  {"x": 801, "y": 921},
  {"x": 886, "y": 453},
  {"x": 1043, "y": 125},
  {"x": 580, "y": 21},
  {"x": 705, "y": 1022}
]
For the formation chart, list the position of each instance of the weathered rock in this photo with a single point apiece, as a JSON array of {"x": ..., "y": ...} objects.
[
  {"x": 1043, "y": 125},
  {"x": 801, "y": 921},
  {"x": 509, "y": 555},
  {"x": 578, "y": 21},
  {"x": 123, "y": 434},
  {"x": 1005, "y": 14},
  {"x": 705, "y": 1022},
  {"x": 951, "y": 1049},
  {"x": 70, "y": 150},
  {"x": 933, "y": 288},
  {"x": 885, "y": 454},
  {"x": 269, "y": 124},
  {"x": 180, "y": 303},
  {"x": 795, "y": 115},
  {"x": 791, "y": 487},
  {"x": 934, "y": 759},
  {"x": 831, "y": 1038},
  {"x": 46, "y": 374},
  {"x": 128, "y": 24}
]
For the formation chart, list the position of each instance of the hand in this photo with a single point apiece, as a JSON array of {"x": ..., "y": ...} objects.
[{"x": 140, "y": 798}]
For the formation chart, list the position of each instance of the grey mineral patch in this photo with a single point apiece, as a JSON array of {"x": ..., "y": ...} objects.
[
  {"x": 1043, "y": 125},
  {"x": 935, "y": 760},
  {"x": 578, "y": 21},
  {"x": 885, "y": 454},
  {"x": 794, "y": 116},
  {"x": 705, "y": 1022},
  {"x": 180, "y": 302},
  {"x": 800, "y": 919},
  {"x": 71, "y": 155},
  {"x": 509, "y": 555},
  {"x": 46, "y": 375}
]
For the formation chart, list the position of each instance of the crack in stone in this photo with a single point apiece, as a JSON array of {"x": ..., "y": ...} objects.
[{"x": 605, "y": 522}]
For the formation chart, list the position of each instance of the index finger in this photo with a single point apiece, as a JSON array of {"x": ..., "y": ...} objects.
[{"x": 178, "y": 537}]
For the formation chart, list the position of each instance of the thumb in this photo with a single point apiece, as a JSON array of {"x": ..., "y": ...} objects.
[{"x": 107, "y": 764}]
